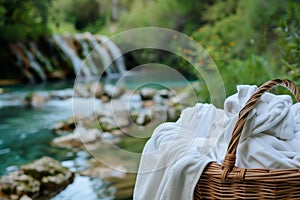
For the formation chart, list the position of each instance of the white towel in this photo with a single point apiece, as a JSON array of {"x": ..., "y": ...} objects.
[
  {"x": 268, "y": 138},
  {"x": 177, "y": 153}
]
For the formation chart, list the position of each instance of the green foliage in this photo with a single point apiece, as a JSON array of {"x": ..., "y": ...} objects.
[
  {"x": 289, "y": 40},
  {"x": 242, "y": 41},
  {"x": 161, "y": 13},
  {"x": 22, "y": 19}
]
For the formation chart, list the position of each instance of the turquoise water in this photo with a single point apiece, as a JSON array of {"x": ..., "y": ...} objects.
[
  {"x": 26, "y": 135},
  {"x": 25, "y": 132}
]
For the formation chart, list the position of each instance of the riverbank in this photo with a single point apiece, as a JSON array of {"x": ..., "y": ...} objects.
[{"x": 105, "y": 140}]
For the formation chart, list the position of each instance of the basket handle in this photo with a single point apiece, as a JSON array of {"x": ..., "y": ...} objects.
[{"x": 230, "y": 158}]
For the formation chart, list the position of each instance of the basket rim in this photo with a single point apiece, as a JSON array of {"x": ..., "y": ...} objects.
[
  {"x": 214, "y": 169},
  {"x": 230, "y": 156}
]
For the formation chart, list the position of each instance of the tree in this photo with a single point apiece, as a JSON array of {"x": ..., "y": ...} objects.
[{"x": 22, "y": 19}]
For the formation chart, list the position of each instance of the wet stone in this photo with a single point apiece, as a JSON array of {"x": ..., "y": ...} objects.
[{"x": 41, "y": 177}]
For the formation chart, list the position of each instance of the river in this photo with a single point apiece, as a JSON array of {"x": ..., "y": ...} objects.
[
  {"x": 26, "y": 132},
  {"x": 26, "y": 135}
]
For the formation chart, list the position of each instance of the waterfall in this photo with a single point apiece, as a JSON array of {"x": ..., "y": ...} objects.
[
  {"x": 115, "y": 52},
  {"x": 33, "y": 63},
  {"x": 40, "y": 57},
  {"x": 78, "y": 65},
  {"x": 21, "y": 63},
  {"x": 86, "y": 55},
  {"x": 85, "y": 52},
  {"x": 106, "y": 59}
]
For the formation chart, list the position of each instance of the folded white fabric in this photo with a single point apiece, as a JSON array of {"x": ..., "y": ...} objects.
[{"x": 177, "y": 153}]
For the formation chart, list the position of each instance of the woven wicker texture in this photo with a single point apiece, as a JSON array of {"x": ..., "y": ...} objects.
[{"x": 227, "y": 181}]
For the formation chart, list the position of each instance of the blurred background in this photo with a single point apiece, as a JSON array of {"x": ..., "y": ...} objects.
[{"x": 46, "y": 44}]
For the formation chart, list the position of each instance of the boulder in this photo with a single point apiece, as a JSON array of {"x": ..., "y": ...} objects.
[
  {"x": 90, "y": 135},
  {"x": 45, "y": 176},
  {"x": 120, "y": 113},
  {"x": 64, "y": 126},
  {"x": 52, "y": 176},
  {"x": 19, "y": 183},
  {"x": 96, "y": 89},
  {"x": 78, "y": 138},
  {"x": 164, "y": 93},
  {"x": 67, "y": 141},
  {"x": 148, "y": 103},
  {"x": 173, "y": 113},
  {"x": 36, "y": 99},
  {"x": 158, "y": 113},
  {"x": 81, "y": 90},
  {"x": 105, "y": 98},
  {"x": 25, "y": 197},
  {"x": 143, "y": 118},
  {"x": 147, "y": 93},
  {"x": 113, "y": 91},
  {"x": 108, "y": 124}
]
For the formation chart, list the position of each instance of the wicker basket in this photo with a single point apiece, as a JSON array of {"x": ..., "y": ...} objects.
[{"x": 230, "y": 182}]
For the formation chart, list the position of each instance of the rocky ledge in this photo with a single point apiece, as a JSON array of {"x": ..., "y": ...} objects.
[{"x": 43, "y": 177}]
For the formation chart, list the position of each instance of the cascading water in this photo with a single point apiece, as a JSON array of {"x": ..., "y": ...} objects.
[
  {"x": 40, "y": 57},
  {"x": 78, "y": 64},
  {"x": 87, "y": 55},
  {"x": 106, "y": 59},
  {"x": 85, "y": 52},
  {"x": 33, "y": 63},
  {"x": 20, "y": 63},
  {"x": 115, "y": 52}
]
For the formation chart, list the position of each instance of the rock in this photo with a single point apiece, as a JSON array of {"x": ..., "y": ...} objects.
[
  {"x": 134, "y": 115},
  {"x": 113, "y": 115},
  {"x": 104, "y": 172},
  {"x": 164, "y": 93},
  {"x": 133, "y": 99},
  {"x": 61, "y": 94},
  {"x": 147, "y": 93},
  {"x": 143, "y": 118},
  {"x": 158, "y": 113},
  {"x": 90, "y": 135},
  {"x": 173, "y": 113},
  {"x": 19, "y": 183},
  {"x": 113, "y": 91},
  {"x": 81, "y": 90},
  {"x": 67, "y": 141},
  {"x": 108, "y": 137},
  {"x": 117, "y": 132},
  {"x": 120, "y": 113},
  {"x": 25, "y": 197},
  {"x": 2, "y": 91},
  {"x": 35, "y": 99},
  {"x": 78, "y": 138},
  {"x": 64, "y": 126},
  {"x": 42, "y": 177},
  {"x": 104, "y": 112},
  {"x": 108, "y": 124},
  {"x": 96, "y": 89},
  {"x": 105, "y": 98},
  {"x": 148, "y": 103}
]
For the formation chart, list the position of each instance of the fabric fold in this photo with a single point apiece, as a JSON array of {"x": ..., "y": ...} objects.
[{"x": 177, "y": 153}]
